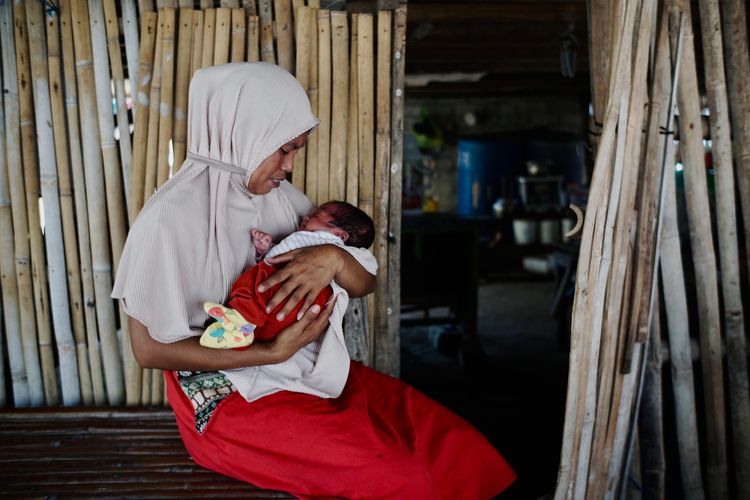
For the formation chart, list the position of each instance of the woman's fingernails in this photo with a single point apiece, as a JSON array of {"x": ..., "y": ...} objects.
[
  {"x": 299, "y": 315},
  {"x": 268, "y": 309},
  {"x": 261, "y": 288},
  {"x": 315, "y": 309},
  {"x": 279, "y": 316}
]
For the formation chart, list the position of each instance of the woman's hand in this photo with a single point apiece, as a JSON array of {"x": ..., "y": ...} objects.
[
  {"x": 300, "y": 333},
  {"x": 305, "y": 273}
]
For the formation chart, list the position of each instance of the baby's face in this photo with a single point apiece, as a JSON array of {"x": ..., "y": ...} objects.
[{"x": 318, "y": 220}]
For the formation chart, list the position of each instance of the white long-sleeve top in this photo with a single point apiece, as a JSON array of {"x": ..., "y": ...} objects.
[{"x": 321, "y": 367}]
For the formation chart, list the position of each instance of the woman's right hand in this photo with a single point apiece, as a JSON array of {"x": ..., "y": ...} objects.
[{"x": 300, "y": 333}]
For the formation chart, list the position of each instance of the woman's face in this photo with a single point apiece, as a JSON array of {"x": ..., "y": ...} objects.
[{"x": 274, "y": 169}]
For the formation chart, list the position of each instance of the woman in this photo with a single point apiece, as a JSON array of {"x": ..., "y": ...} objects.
[{"x": 379, "y": 438}]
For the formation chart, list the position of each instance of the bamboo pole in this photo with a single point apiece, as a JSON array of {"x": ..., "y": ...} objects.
[
  {"x": 209, "y": 35},
  {"x": 142, "y": 87},
  {"x": 112, "y": 37},
  {"x": 97, "y": 206},
  {"x": 302, "y": 73},
  {"x": 206, "y": 4},
  {"x": 152, "y": 141},
  {"x": 197, "y": 51},
  {"x": 239, "y": 34},
  {"x": 223, "y": 35},
  {"x": 311, "y": 168},
  {"x": 16, "y": 287},
  {"x": 166, "y": 97},
  {"x": 284, "y": 30},
  {"x": 132, "y": 48},
  {"x": 31, "y": 184},
  {"x": 324, "y": 104},
  {"x": 145, "y": 6},
  {"x": 67, "y": 209},
  {"x": 249, "y": 6},
  {"x": 384, "y": 357},
  {"x": 253, "y": 39},
  {"x": 704, "y": 260},
  {"x": 365, "y": 108},
  {"x": 157, "y": 387},
  {"x": 352, "y": 137},
  {"x": 736, "y": 51},
  {"x": 296, "y": 4},
  {"x": 182, "y": 81},
  {"x": 734, "y": 324},
  {"x": 339, "y": 104},
  {"x": 266, "y": 32},
  {"x": 81, "y": 212},
  {"x": 394, "y": 198}
]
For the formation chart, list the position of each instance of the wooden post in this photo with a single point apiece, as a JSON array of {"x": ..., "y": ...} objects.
[
  {"x": 253, "y": 39},
  {"x": 81, "y": 212},
  {"x": 239, "y": 32},
  {"x": 118, "y": 78},
  {"x": 97, "y": 207},
  {"x": 67, "y": 209},
  {"x": 384, "y": 357},
  {"x": 182, "y": 81},
  {"x": 152, "y": 141},
  {"x": 197, "y": 50},
  {"x": 284, "y": 30},
  {"x": 266, "y": 32},
  {"x": 14, "y": 259},
  {"x": 166, "y": 97},
  {"x": 311, "y": 169},
  {"x": 324, "y": 104},
  {"x": 352, "y": 137},
  {"x": 209, "y": 35},
  {"x": 302, "y": 73},
  {"x": 223, "y": 35},
  {"x": 339, "y": 104},
  {"x": 31, "y": 184},
  {"x": 392, "y": 339}
]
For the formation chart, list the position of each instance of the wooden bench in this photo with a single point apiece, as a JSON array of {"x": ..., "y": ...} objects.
[{"x": 123, "y": 453}]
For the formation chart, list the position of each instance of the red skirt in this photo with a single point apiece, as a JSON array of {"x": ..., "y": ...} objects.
[{"x": 380, "y": 439}]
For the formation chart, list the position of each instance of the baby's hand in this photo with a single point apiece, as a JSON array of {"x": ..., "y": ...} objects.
[{"x": 261, "y": 241}]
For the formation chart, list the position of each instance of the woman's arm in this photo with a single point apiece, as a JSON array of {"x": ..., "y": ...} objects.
[
  {"x": 308, "y": 270},
  {"x": 188, "y": 354}
]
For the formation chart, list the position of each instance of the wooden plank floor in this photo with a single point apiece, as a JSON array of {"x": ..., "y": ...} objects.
[{"x": 105, "y": 453}]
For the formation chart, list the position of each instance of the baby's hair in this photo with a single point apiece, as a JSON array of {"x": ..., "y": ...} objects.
[{"x": 353, "y": 220}]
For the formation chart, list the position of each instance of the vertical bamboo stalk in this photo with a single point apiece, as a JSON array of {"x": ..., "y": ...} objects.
[
  {"x": 146, "y": 386},
  {"x": 152, "y": 140},
  {"x": 296, "y": 4},
  {"x": 81, "y": 212},
  {"x": 394, "y": 199},
  {"x": 311, "y": 168},
  {"x": 339, "y": 105},
  {"x": 734, "y": 324},
  {"x": 249, "y": 6},
  {"x": 206, "y": 4},
  {"x": 157, "y": 387},
  {"x": 31, "y": 183},
  {"x": 112, "y": 37},
  {"x": 197, "y": 50},
  {"x": 16, "y": 281},
  {"x": 284, "y": 42},
  {"x": 182, "y": 81},
  {"x": 97, "y": 206},
  {"x": 209, "y": 35},
  {"x": 67, "y": 207},
  {"x": 239, "y": 32},
  {"x": 324, "y": 103},
  {"x": 222, "y": 35},
  {"x": 266, "y": 32},
  {"x": 302, "y": 73},
  {"x": 253, "y": 39},
  {"x": 704, "y": 259},
  {"x": 142, "y": 86},
  {"x": 145, "y": 6},
  {"x": 166, "y": 97},
  {"x": 352, "y": 137},
  {"x": 166, "y": 4},
  {"x": 736, "y": 50},
  {"x": 366, "y": 106},
  {"x": 132, "y": 47},
  {"x": 384, "y": 357}
]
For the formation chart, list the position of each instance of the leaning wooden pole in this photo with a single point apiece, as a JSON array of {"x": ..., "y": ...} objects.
[
  {"x": 302, "y": 73},
  {"x": 726, "y": 215},
  {"x": 132, "y": 41},
  {"x": 352, "y": 134},
  {"x": 67, "y": 208},
  {"x": 8, "y": 282},
  {"x": 265, "y": 11},
  {"x": 339, "y": 104},
  {"x": 284, "y": 30},
  {"x": 311, "y": 156},
  {"x": 31, "y": 184},
  {"x": 323, "y": 131},
  {"x": 97, "y": 206},
  {"x": 704, "y": 260},
  {"x": 81, "y": 212},
  {"x": 166, "y": 96},
  {"x": 182, "y": 81}
]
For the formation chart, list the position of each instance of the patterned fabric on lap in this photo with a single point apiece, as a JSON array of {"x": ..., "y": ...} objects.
[{"x": 205, "y": 391}]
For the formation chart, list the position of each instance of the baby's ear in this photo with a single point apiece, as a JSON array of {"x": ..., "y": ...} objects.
[{"x": 340, "y": 233}]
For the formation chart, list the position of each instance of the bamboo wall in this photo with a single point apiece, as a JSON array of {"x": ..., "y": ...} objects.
[
  {"x": 637, "y": 273},
  {"x": 76, "y": 76}
]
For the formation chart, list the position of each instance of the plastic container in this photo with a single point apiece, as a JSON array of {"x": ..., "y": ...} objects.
[{"x": 485, "y": 168}]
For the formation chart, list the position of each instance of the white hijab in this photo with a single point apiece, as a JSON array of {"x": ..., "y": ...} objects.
[{"x": 191, "y": 240}]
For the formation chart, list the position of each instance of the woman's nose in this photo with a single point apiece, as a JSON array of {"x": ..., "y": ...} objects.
[{"x": 287, "y": 163}]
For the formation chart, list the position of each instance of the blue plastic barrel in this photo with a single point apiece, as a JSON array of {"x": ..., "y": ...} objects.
[{"x": 484, "y": 165}]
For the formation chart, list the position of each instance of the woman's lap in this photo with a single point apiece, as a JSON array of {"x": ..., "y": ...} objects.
[{"x": 380, "y": 439}]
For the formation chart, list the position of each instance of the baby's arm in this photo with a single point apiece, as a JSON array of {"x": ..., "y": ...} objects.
[{"x": 262, "y": 242}]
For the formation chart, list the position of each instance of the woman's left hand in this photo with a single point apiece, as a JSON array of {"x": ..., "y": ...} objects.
[{"x": 305, "y": 273}]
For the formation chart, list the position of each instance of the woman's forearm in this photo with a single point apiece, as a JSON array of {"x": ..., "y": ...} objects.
[{"x": 352, "y": 277}]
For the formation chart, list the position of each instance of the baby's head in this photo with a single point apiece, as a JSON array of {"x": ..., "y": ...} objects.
[{"x": 352, "y": 225}]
